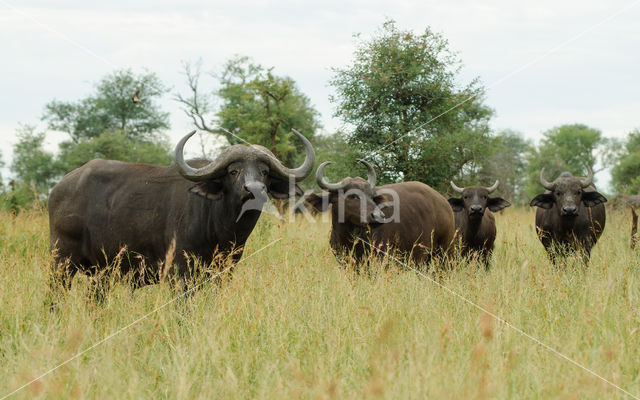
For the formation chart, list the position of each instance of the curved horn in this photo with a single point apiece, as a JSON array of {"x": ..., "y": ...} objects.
[
  {"x": 302, "y": 171},
  {"x": 494, "y": 187},
  {"x": 588, "y": 180},
  {"x": 323, "y": 182},
  {"x": 546, "y": 184},
  {"x": 371, "y": 173},
  {"x": 217, "y": 168},
  {"x": 456, "y": 188},
  {"x": 213, "y": 169}
]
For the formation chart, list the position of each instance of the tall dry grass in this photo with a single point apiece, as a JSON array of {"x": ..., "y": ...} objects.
[{"x": 291, "y": 324}]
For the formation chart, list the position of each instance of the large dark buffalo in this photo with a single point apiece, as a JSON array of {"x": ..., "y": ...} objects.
[
  {"x": 571, "y": 215},
  {"x": 475, "y": 223},
  {"x": 410, "y": 216},
  {"x": 197, "y": 209}
]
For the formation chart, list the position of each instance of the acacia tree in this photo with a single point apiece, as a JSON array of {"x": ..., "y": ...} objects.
[
  {"x": 570, "y": 147},
  {"x": 504, "y": 162},
  {"x": 256, "y": 106},
  {"x": 405, "y": 110},
  {"x": 112, "y": 108},
  {"x": 31, "y": 163},
  {"x": 625, "y": 174},
  {"x": 120, "y": 121}
]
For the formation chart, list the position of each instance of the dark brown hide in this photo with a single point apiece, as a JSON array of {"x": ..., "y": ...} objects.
[
  {"x": 156, "y": 213},
  {"x": 475, "y": 223},
  {"x": 569, "y": 217},
  {"x": 634, "y": 228},
  {"x": 425, "y": 225}
]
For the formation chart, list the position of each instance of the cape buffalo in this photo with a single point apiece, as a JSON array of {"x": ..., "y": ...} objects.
[
  {"x": 571, "y": 215},
  {"x": 197, "y": 209},
  {"x": 474, "y": 221},
  {"x": 410, "y": 217},
  {"x": 634, "y": 228}
]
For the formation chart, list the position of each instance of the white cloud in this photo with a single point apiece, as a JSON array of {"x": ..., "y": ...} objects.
[{"x": 592, "y": 80}]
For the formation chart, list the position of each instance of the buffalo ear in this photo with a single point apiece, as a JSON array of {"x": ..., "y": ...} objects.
[
  {"x": 318, "y": 201},
  {"x": 497, "y": 203},
  {"x": 544, "y": 200},
  {"x": 279, "y": 189},
  {"x": 382, "y": 198},
  {"x": 457, "y": 204},
  {"x": 591, "y": 199},
  {"x": 211, "y": 190},
  {"x": 385, "y": 202}
]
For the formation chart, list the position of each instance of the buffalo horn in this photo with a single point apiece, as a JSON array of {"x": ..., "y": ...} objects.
[
  {"x": 298, "y": 173},
  {"x": 546, "y": 184},
  {"x": 456, "y": 188},
  {"x": 589, "y": 179},
  {"x": 322, "y": 182},
  {"x": 371, "y": 173},
  {"x": 494, "y": 187},
  {"x": 217, "y": 168}
]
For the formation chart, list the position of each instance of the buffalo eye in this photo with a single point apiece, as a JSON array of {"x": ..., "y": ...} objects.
[
  {"x": 352, "y": 196},
  {"x": 264, "y": 172},
  {"x": 558, "y": 193},
  {"x": 484, "y": 197},
  {"x": 233, "y": 172}
]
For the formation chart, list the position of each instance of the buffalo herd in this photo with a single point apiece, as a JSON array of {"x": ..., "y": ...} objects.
[{"x": 161, "y": 220}]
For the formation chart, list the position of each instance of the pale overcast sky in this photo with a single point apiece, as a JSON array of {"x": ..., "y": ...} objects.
[{"x": 544, "y": 63}]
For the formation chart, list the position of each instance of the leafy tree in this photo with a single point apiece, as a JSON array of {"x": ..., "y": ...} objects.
[
  {"x": 504, "y": 162},
  {"x": 334, "y": 148},
  {"x": 1, "y": 167},
  {"x": 113, "y": 146},
  {"x": 20, "y": 195},
  {"x": 625, "y": 174},
  {"x": 112, "y": 108},
  {"x": 564, "y": 148},
  {"x": 31, "y": 163},
  {"x": 406, "y": 111},
  {"x": 120, "y": 121},
  {"x": 257, "y": 106}
]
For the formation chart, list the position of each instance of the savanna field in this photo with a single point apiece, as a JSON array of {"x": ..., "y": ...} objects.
[{"x": 292, "y": 324}]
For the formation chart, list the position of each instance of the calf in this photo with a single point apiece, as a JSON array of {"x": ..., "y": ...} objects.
[{"x": 475, "y": 223}]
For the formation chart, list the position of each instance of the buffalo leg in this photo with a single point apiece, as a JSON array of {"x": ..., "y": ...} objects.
[{"x": 60, "y": 279}]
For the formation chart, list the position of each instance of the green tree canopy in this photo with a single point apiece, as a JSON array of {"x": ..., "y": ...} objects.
[
  {"x": 504, "y": 162},
  {"x": 113, "y": 146},
  {"x": 564, "y": 148},
  {"x": 112, "y": 108},
  {"x": 256, "y": 106},
  {"x": 31, "y": 163},
  {"x": 405, "y": 109},
  {"x": 120, "y": 121},
  {"x": 625, "y": 175}
]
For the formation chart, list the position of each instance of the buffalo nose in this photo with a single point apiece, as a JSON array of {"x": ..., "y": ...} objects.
[
  {"x": 476, "y": 209},
  {"x": 569, "y": 209},
  {"x": 254, "y": 187},
  {"x": 377, "y": 216}
]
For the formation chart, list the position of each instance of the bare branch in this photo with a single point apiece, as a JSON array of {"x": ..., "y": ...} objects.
[{"x": 196, "y": 105}]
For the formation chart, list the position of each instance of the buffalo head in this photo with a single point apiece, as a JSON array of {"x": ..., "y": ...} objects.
[
  {"x": 475, "y": 199},
  {"x": 355, "y": 199},
  {"x": 242, "y": 173},
  {"x": 567, "y": 192}
]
